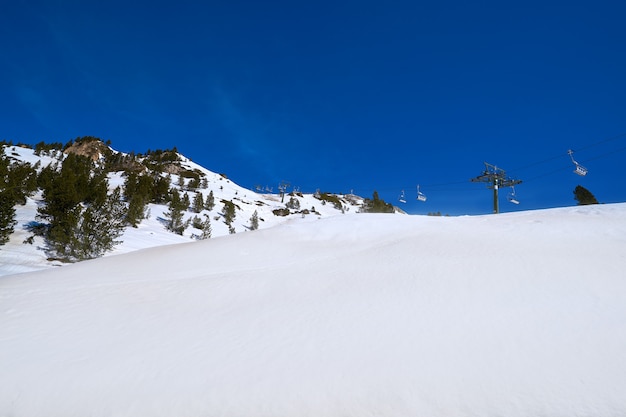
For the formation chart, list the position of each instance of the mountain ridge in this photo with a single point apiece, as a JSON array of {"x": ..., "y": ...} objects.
[{"x": 17, "y": 255}]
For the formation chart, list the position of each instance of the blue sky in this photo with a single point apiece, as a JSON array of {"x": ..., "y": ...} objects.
[{"x": 339, "y": 96}]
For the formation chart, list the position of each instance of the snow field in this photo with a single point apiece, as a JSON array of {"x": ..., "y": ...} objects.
[{"x": 519, "y": 314}]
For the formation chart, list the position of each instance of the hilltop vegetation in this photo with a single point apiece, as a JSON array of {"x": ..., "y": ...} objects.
[{"x": 87, "y": 195}]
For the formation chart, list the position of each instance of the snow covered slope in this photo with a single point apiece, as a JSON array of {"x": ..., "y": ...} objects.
[
  {"x": 17, "y": 257},
  {"x": 519, "y": 314}
]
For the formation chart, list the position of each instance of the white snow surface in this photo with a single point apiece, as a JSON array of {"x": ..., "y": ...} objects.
[{"x": 520, "y": 314}]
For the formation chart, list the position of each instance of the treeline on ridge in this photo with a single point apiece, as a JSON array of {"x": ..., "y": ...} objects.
[{"x": 80, "y": 216}]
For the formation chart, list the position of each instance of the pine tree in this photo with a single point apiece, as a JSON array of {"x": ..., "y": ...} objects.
[
  {"x": 175, "y": 214},
  {"x": 185, "y": 202},
  {"x": 196, "y": 222},
  {"x": 99, "y": 227},
  {"x": 206, "y": 228},
  {"x": 136, "y": 211},
  {"x": 137, "y": 192},
  {"x": 198, "y": 203},
  {"x": 229, "y": 212},
  {"x": 254, "y": 221},
  {"x": 83, "y": 220},
  {"x": 7, "y": 217},
  {"x": 210, "y": 201},
  {"x": 584, "y": 196},
  {"x": 18, "y": 180},
  {"x": 376, "y": 205},
  {"x": 193, "y": 184},
  {"x": 160, "y": 189},
  {"x": 65, "y": 190},
  {"x": 7, "y": 202},
  {"x": 293, "y": 204}
]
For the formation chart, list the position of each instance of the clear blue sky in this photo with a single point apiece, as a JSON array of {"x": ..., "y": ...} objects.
[{"x": 335, "y": 95}]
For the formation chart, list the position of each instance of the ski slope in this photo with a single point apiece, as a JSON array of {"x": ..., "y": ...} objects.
[
  {"x": 520, "y": 314},
  {"x": 18, "y": 257}
]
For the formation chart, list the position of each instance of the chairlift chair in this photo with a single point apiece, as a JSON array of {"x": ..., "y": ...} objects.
[
  {"x": 580, "y": 170},
  {"x": 420, "y": 195},
  {"x": 401, "y": 198},
  {"x": 511, "y": 197}
]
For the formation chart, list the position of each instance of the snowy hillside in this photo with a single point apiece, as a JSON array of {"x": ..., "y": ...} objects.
[
  {"x": 515, "y": 315},
  {"x": 17, "y": 257}
]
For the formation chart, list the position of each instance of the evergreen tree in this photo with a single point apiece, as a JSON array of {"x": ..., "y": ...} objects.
[
  {"x": 7, "y": 217},
  {"x": 584, "y": 196},
  {"x": 136, "y": 210},
  {"x": 60, "y": 234},
  {"x": 97, "y": 189},
  {"x": 161, "y": 189},
  {"x": 130, "y": 185},
  {"x": 293, "y": 204},
  {"x": 175, "y": 214},
  {"x": 137, "y": 191},
  {"x": 254, "y": 221},
  {"x": 64, "y": 192},
  {"x": 376, "y": 205},
  {"x": 18, "y": 180},
  {"x": 206, "y": 228},
  {"x": 198, "y": 203},
  {"x": 229, "y": 212},
  {"x": 185, "y": 202},
  {"x": 210, "y": 201},
  {"x": 7, "y": 202},
  {"x": 45, "y": 176},
  {"x": 98, "y": 228},
  {"x": 193, "y": 184},
  {"x": 84, "y": 221}
]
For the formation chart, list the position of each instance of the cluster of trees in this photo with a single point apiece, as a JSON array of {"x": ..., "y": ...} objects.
[
  {"x": 17, "y": 182},
  {"x": 376, "y": 205},
  {"x": 330, "y": 198},
  {"x": 43, "y": 148},
  {"x": 80, "y": 218}
]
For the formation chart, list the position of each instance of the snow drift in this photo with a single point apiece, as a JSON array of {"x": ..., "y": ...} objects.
[{"x": 519, "y": 314}]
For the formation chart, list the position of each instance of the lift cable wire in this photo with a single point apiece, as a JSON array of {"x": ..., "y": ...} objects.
[
  {"x": 623, "y": 135},
  {"x": 604, "y": 155},
  {"x": 445, "y": 185},
  {"x": 559, "y": 156},
  {"x": 546, "y": 174},
  {"x": 550, "y": 159}
]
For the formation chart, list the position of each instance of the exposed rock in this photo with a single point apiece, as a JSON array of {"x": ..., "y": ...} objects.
[{"x": 94, "y": 149}]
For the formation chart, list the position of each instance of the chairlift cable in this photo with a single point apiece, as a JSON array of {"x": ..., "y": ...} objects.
[
  {"x": 623, "y": 135},
  {"x": 533, "y": 164},
  {"x": 604, "y": 155}
]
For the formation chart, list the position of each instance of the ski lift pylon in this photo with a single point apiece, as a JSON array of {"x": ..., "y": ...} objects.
[
  {"x": 580, "y": 170},
  {"x": 420, "y": 195}
]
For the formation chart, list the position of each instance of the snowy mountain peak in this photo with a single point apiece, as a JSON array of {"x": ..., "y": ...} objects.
[{"x": 26, "y": 251}]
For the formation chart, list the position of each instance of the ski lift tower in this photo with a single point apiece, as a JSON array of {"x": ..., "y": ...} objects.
[
  {"x": 282, "y": 187},
  {"x": 495, "y": 178}
]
